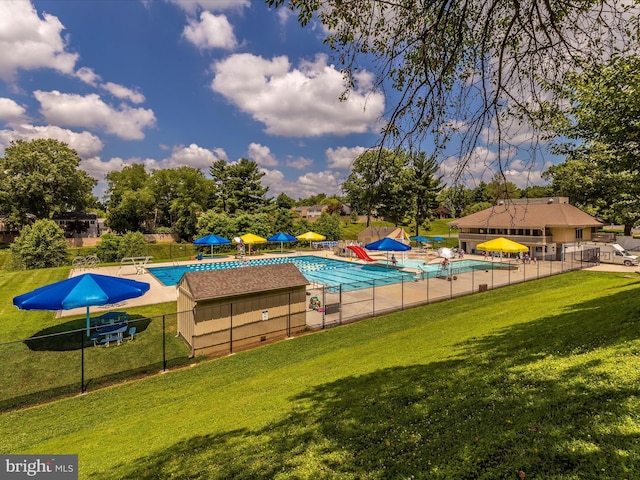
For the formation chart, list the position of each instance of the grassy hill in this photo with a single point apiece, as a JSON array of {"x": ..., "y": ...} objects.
[{"x": 538, "y": 379}]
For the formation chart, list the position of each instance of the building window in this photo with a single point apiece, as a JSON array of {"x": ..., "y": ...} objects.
[{"x": 578, "y": 233}]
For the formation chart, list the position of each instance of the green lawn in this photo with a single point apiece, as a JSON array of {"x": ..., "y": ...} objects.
[
  {"x": 540, "y": 378},
  {"x": 38, "y": 370}
]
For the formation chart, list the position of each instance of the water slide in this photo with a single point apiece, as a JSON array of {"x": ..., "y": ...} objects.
[{"x": 360, "y": 253}]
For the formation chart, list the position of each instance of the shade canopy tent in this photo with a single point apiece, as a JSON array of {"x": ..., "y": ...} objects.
[
  {"x": 282, "y": 238},
  {"x": 212, "y": 240},
  {"x": 311, "y": 237},
  {"x": 502, "y": 245},
  {"x": 86, "y": 290},
  {"x": 389, "y": 245}
]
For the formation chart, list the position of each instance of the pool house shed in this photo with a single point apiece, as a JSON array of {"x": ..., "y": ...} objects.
[{"x": 222, "y": 311}]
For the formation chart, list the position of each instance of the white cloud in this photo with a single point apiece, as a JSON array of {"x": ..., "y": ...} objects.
[
  {"x": 191, "y": 156},
  {"x": 123, "y": 92},
  {"x": 85, "y": 143},
  {"x": 300, "y": 163},
  {"x": 212, "y": 31},
  {"x": 305, "y": 186},
  {"x": 91, "y": 112},
  {"x": 98, "y": 169},
  {"x": 88, "y": 76},
  {"x": 11, "y": 112},
  {"x": 28, "y": 42},
  {"x": 261, "y": 155},
  {"x": 343, "y": 157},
  {"x": 303, "y": 101},
  {"x": 193, "y": 6}
]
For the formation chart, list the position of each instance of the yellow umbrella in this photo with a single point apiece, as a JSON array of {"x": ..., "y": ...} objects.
[
  {"x": 251, "y": 239},
  {"x": 503, "y": 245},
  {"x": 311, "y": 237}
]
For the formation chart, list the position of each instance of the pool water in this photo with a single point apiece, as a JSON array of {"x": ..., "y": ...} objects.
[
  {"x": 324, "y": 271},
  {"x": 455, "y": 267}
]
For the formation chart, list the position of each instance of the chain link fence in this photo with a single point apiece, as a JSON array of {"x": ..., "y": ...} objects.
[{"x": 64, "y": 361}]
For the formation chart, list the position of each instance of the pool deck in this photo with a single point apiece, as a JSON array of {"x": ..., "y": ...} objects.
[{"x": 387, "y": 298}]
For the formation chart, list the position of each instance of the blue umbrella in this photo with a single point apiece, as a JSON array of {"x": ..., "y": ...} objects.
[
  {"x": 212, "y": 240},
  {"x": 86, "y": 290},
  {"x": 420, "y": 238},
  {"x": 282, "y": 237},
  {"x": 388, "y": 244}
]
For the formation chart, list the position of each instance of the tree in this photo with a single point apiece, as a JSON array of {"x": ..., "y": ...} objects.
[
  {"x": 191, "y": 194},
  {"x": 220, "y": 174},
  {"x": 107, "y": 248},
  {"x": 500, "y": 189},
  {"x": 238, "y": 187},
  {"x": 41, "y": 245},
  {"x": 371, "y": 177},
  {"x": 283, "y": 220},
  {"x": 132, "y": 244},
  {"x": 284, "y": 201},
  {"x": 328, "y": 225},
  {"x": 425, "y": 185},
  {"x": 41, "y": 178},
  {"x": 131, "y": 203},
  {"x": 601, "y": 171},
  {"x": 218, "y": 223},
  {"x": 476, "y": 64}
]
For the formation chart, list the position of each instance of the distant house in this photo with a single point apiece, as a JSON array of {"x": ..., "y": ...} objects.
[
  {"x": 542, "y": 224},
  {"x": 231, "y": 309},
  {"x": 442, "y": 212},
  {"x": 80, "y": 225}
]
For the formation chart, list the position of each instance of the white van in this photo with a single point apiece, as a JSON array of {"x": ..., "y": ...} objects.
[
  {"x": 609, "y": 253},
  {"x": 614, "y": 253}
]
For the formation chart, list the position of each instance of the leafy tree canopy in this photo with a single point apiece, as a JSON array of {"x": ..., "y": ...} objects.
[
  {"x": 41, "y": 178},
  {"x": 465, "y": 67},
  {"x": 602, "y": 168}
]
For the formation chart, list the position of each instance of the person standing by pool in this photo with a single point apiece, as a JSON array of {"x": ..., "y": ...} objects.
[{"x": 393, "y": 260}]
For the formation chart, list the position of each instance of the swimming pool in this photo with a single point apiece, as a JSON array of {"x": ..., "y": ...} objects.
[
  {"x": 457, "y": 266},
  {"x": 324, "y": 271}
]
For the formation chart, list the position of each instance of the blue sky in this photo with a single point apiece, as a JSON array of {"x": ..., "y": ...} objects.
[{"x": 187, "y": 82}]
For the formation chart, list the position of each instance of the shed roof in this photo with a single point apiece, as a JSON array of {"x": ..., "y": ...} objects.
[
  {"x": 229, "y": 282},
  {"x": 532, "y": 215}
]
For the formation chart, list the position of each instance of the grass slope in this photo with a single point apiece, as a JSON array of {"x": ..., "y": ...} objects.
[{"x": 539, "y": 379}]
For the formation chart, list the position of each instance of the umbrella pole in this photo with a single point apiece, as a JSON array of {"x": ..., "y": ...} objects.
[{"x": 88, "y": 323}]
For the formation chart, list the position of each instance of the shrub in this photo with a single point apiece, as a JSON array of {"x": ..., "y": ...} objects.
[{"x": 41, "y": 245}]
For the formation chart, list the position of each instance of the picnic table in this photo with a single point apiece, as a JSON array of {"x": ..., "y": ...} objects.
[
  {"x": 110, "y": 318},
  {"x": 109, "y": 334}
]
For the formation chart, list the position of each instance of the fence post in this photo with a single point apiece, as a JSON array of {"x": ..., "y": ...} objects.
[
  {"x": 340, "y": 301},
  {"x": 373, "y": 297},
  {"x": 164, "y": 346},
  {"x": 82, "y": 385},
  {"x": 402, "y": 293},
  {"x": 289, "y": 317},
  {"x": 230, "y": 328}
]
